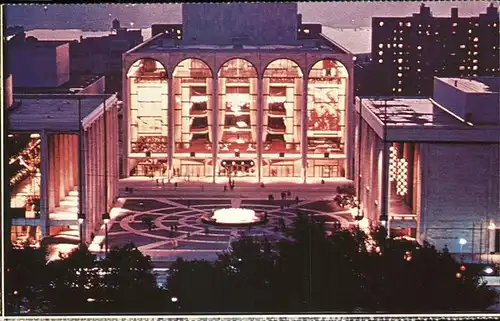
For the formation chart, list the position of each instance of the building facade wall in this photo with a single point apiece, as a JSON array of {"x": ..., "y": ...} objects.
[
  {"x": 33, "y": 66},
  {"x": 252, "y": 23},
  {"x": 215, "y": 60},
  {"x": 460, "y": 191},
  {"x": 62, "y": 64}
]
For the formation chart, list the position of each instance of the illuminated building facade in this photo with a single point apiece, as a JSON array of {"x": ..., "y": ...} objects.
[
  {"x": 235, "y": 98},
  {"x": 409, "y": 51},
  {"x": 429, "y": 167}
]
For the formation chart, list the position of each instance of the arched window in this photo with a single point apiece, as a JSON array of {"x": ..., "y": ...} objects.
[
  {"x": 282, "y": 110},
  {"x": 237, "y": 117},
  {"x": 192, "y": 87},
  {"x": 326, "y": 110},
  {"x": 148, "y": 108}
]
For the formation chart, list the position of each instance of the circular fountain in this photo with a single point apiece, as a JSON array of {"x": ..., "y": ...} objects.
[{"x": 233, "y": 216}]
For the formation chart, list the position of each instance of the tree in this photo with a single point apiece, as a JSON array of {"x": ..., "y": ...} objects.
[
  {"x": 73, "y": 283},
  {"x": 24, "y": 279},
  {"x": 128, "y": 284}
]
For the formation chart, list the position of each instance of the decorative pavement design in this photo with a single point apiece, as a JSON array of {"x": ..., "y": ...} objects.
[{"x": 192, "y": 239}]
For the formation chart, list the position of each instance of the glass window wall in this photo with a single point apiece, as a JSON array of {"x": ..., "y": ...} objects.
[
  {"x": 148, "y": 90},
  {"x": 327, "y": 90},
  {"x": 238, "y": 107},
  {"x": 193, "y": 107},
  {"x": 282, "y": 90}
]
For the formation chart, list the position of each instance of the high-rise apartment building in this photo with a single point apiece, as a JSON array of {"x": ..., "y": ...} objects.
[{"x": 409, "y": 51}]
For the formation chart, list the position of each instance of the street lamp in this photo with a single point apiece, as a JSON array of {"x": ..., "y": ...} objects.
[
  {"x": 81, "y": 219},
  {"x": 462, "y": 242},
  {"x": 105, "y": 218}
]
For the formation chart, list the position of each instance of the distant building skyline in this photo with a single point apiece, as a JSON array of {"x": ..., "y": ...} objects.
[
  {"x": 334, "y": 14},
  {"x": 409, "y": 51}
]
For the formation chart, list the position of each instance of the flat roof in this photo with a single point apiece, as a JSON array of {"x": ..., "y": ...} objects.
[
  {"x": 51, "y": 112},
  {"x": 411, "y": 119},
  {"x": 76, "y": 81},
  {"x": 474, "y": 85},
  {"x": 163, "y": 43},
  {"x": 356, "y": 40},
  {"x": 410, "y": 112}
]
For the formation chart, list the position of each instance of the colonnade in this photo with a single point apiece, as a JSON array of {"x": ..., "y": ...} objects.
[{"x": 100, "y": 145}]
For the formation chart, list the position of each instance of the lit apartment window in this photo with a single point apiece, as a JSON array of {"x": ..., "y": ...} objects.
[
  {"x": 455, "y": 24},
  {"x": 307, "y": 31},
  {"x": 420, "y": 32},
  {"x": 401, "y": 23},
  {"x": 400, "y": 68},
  {"x": 475, "y": 53},
  {"x": 476, "y": 24},
  {"x": 178, "y": 31},
  {"x": 388, "y": 45},
  {"x": 399, "y": 89},
  {"x": 493, "y": 69},
  {"x": 400, "y": 75},
  {"x": 400, "y": 82},
  {"x": 400, "y": 60},
  {"x": 494, "y": 25},
  {"x": 394, "y": 31},
  {"x": 380, "y": 53},
  {"x": 178, "y": 37},
  {"x": 395, "y": 39},
  {"x": 420, "y": 25},
  {"x": 474, "y": 68},
  {"x": 474, "y": 61},
  {"x": 476, "y": 39},
  {"x": 462, "y": 46},
  {"x": 436, "y": 33},
  {"x": 419, "y": 70},
  {"x": 401, "y": 45},
  {"x": 381, "y": 23},
  {"x": 400, "y": 38},
  {"x": 380, "y": 61},
  {"x": 381, "y": 45},
  {"x": 408, "y": 24},
  {"x": 419, "y": 47},
  {"x": 394, "y": 45},
  {"x": 470, "y": 30}
]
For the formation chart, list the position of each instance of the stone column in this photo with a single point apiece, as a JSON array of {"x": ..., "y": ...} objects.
[
  {"x": 215, "y": 124},
  {"x": 303, "y": 141},
  {"x": 44, "y": 186},
  {"x": 58, "y": 169},
  {"x": 66, "y": 165},
  {"x": 170, "y": 122},
  {"x": 384, "y": 206},
  {"x": 52, "y": 185},
  {"x": 126, "y": 125},
  {"x": 260, "y": 113}
]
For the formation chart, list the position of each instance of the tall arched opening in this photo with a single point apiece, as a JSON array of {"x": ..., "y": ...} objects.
[
  {"x": 237, "y": 119},
  {"x": 282, "y": 109},
  {"x": 193, "y": 115},
  {"x": 326, "y": 111},
  {"x": 148, "y": 118}
]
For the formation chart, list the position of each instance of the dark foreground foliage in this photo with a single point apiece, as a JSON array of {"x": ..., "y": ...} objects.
[{"x": 307, "y": 271}]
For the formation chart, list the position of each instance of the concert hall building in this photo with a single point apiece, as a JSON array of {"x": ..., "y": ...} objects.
[{"x": 241, "y": 90}]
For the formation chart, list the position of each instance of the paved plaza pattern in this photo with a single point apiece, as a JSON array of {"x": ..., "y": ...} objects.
[{"x": 176, "y": 229}]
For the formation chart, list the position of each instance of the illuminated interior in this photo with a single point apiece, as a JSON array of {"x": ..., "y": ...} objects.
[
  {"x": 192, "y": 86},
  {"x": 282, "y": 91},
  {"x": 237, "y": 119},
  {"x": 23, "y": 154},
  {"x": 148, "y": 130},
  {"x": 326, "y": 132}
]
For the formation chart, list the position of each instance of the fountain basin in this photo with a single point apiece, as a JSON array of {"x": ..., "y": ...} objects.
[{"x": 233, "y": 217}]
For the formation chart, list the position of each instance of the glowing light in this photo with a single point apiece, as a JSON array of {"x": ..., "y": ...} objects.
[
  {"x": 402, "y": 177},
  {"x": 488, "y": 270},
  {"x": 381, "y": 23},
  {"x": 235, "y": 216},
  {"x": 492, "y": 226},
  {"x": 173, "y": 299},
  {"x": 462, "y": 241}
]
